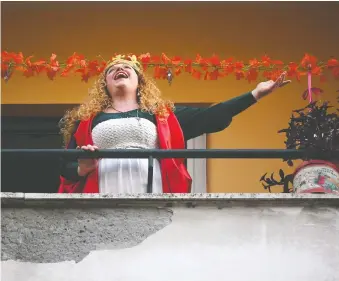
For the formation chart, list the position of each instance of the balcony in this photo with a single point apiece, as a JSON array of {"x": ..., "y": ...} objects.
[
  {"x": 198, "y": 236},
  {"x": 169, "y": 237}
]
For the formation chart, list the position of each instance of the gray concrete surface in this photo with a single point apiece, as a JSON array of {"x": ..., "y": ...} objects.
[
  {"x": 225, "y": 237},
  {"x": 56, "y": 235}
]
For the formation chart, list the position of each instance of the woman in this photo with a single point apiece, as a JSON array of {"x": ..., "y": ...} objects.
[{"x": 126, "y": 111}]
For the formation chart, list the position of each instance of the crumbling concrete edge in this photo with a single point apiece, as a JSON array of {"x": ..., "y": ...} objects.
[{"x": 166, "y": 200}]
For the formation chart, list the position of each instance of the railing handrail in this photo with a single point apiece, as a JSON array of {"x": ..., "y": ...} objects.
[
  {"x": 177, "y": 153},
  {"x": 180, "y": 153}
]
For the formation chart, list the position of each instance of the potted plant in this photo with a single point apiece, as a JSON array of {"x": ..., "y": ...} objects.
[{"x": 316, "y": 128}]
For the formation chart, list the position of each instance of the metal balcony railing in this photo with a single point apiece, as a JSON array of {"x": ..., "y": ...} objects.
[{"x": 73, "y": 154}]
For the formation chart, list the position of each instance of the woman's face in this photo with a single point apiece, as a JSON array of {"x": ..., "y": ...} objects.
[{"x": 121, "y": 76}]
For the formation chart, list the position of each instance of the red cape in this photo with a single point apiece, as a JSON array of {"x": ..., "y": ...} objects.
[{"x": 175, "y": 177}]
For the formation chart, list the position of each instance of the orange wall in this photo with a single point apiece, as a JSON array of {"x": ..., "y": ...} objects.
[{"x": 243, "y": 30}]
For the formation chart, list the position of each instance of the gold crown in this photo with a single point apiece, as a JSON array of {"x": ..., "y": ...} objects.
[{"x": 131, "y": 60}]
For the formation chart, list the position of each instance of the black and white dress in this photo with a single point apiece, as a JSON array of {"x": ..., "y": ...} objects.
[{"x": 137, "y": 130}]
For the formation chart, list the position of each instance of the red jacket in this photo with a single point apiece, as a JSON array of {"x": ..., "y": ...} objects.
[{"x": 175, "y": 178}]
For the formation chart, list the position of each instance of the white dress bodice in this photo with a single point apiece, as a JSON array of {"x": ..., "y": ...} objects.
[
  {"x": 125, "y": 133},
  {"x": 126, "y": 175}
]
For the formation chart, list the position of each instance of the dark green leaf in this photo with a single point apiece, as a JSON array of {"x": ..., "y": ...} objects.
[{"x": 281, "y": 174}]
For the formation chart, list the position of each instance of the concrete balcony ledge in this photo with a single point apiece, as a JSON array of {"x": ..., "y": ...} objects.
[
  {"x": 169, "y": 237},
  {"x": 166, "y": 200}
]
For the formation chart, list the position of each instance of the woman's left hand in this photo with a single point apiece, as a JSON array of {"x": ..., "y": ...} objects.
[{"x": 265, "y": 88}]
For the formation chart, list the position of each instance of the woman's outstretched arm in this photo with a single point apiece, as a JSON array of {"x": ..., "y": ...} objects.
[{"x": 199, "y": 121}]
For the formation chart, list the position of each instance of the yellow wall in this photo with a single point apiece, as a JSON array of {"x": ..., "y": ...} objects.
[{"x": 243, "y": 30}]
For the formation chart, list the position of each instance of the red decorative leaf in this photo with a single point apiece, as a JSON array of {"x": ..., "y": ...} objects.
[
  {"x": 28, "y": 72},
  {"x": 239, "y": 74},
  {"x": 178, "y": 70},
  {"x": 160, "y": 72},
  {"x": 196, "y": 74},
  {"x": 144, "y": 67},
  {"x": 145, "y": 58},
  {"x": 157, "y": 73},
  {"x": 293, "y": 71},
  {"x": 11, "y": 62},
  {"x": 53, "y": 67},
  {"x": 204, "y": 66},
  {"x": 85, "y": 74},
  {"x": 155, "y": 59},
  {"x": 163, "y": 72},
  {"x": 309, "y": 61},
  {"x": 28, "y": 61},
  {"x": 316, "y": 70},
  {"x": 85, "y": 77},
  {"x": 254, "y": 63},
  {"x": 214, "y": 74},
  {"x": 198, "y": 59},
  {"x": 75, "y": 58},
  {"x": 252, "y": 75},
  {"x": 51, "y": 74},
  {"x": 32, "y": 67},
  {"x": 332, "y": 63},
  {"x": 188, "y": 67},
  {"x": 176, "y": 60},
  {"x": 275, "y": 74},
  {"x": 102, "y": 66},
  {"x": 267, "y": 75},
  {"x": 239, "y": 65},
  {"x": 83, "y": 63},
  {"x": 54, "y": 64},
  {"x": 66, "y": 71},
  {"x": 17, "y": 58},
  {"x": 214, "y": 60},
  {"x": 165, "y": 59},
  {"x": 93, "y": 67},
  {"x": 266, "y": 60},
  {"x": 53, "y": 57},
  {"x": 228, "y": 66}
]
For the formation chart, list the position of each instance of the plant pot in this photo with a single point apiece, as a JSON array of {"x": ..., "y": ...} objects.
[{"x": 316, "y": 176}]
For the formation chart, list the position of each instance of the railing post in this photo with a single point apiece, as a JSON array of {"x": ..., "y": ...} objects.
[{"x": 150, "y": 175}]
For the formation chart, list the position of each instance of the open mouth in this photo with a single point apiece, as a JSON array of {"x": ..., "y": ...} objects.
[{"x": 120, "y": 74}]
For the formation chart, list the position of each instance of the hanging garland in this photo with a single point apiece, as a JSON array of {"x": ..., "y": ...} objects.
[{"x": 211, "y": 68}]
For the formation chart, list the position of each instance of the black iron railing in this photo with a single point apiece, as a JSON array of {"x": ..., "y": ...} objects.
[{"x": 71, "y": 154}]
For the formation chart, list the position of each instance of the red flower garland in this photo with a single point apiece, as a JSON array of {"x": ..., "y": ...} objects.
[{"x": 210, "y": 68}]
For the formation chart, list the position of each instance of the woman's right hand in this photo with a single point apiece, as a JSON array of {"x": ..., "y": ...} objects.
[{"x": 87, "y": 165}]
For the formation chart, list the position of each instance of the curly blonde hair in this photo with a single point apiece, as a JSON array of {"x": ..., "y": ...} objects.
[{"x": 99, "y": 100}]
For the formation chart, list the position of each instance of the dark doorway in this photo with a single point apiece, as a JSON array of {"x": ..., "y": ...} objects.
[{"x": 28, "y": 127}]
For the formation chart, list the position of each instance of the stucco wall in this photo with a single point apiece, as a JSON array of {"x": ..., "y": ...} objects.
[{"x": 182, "y": 237}]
